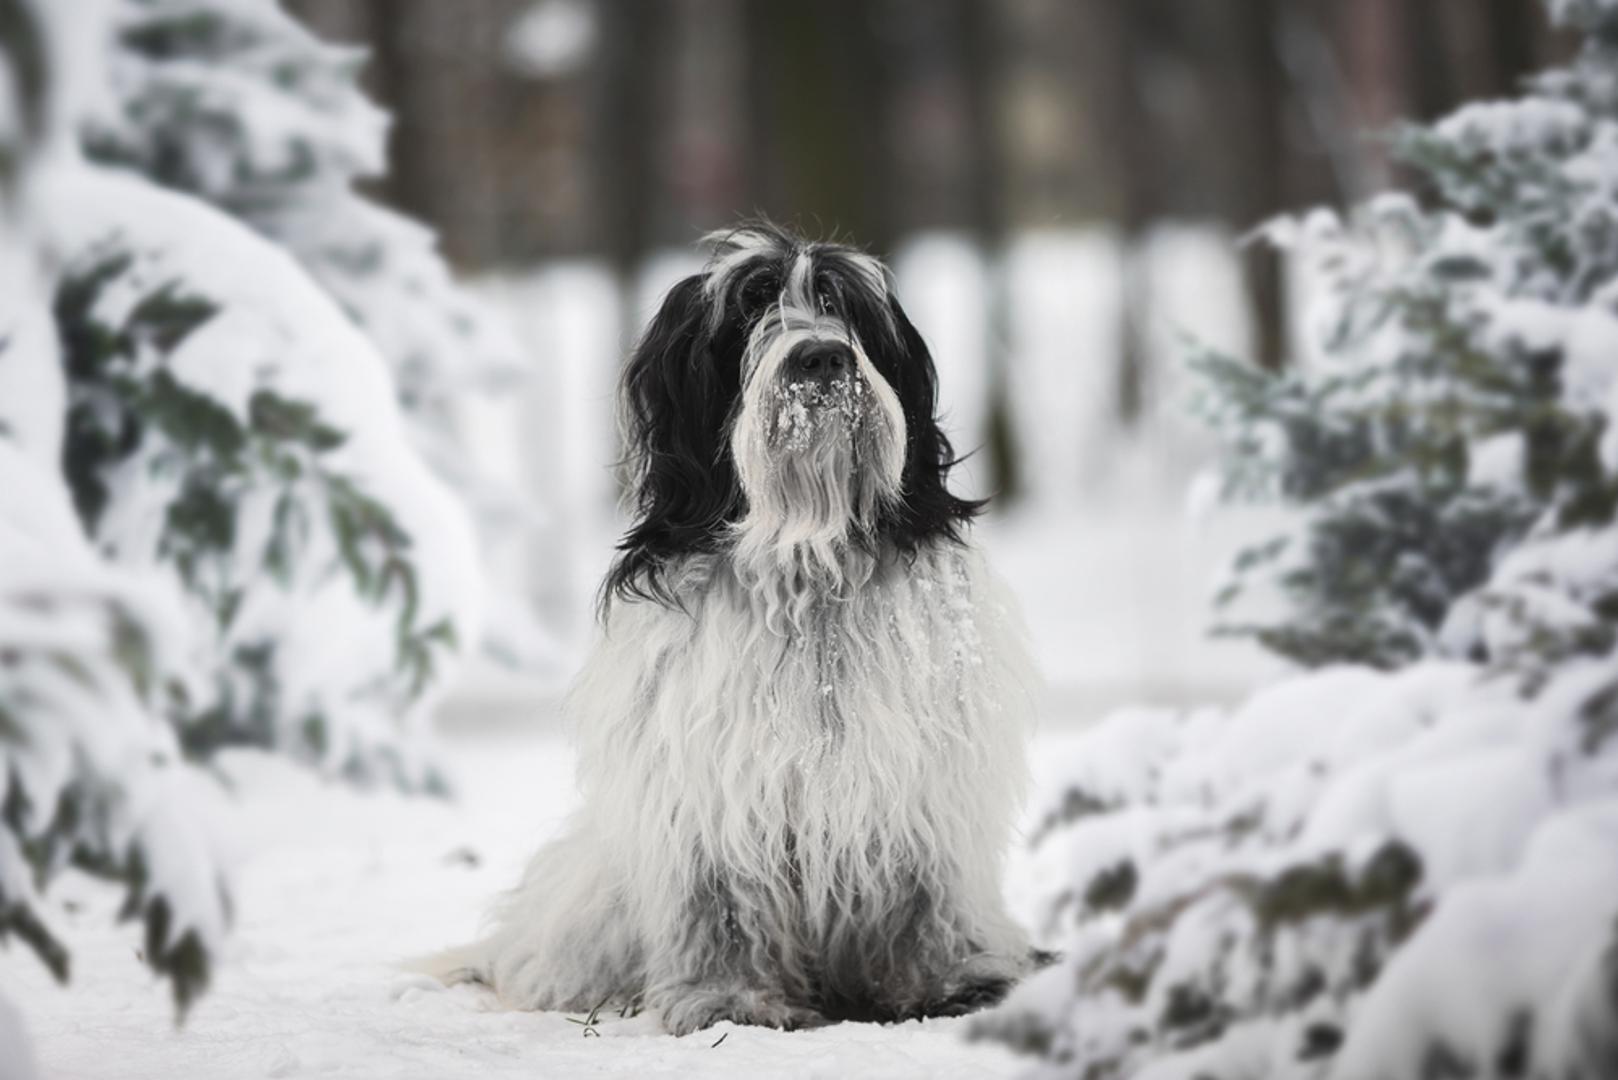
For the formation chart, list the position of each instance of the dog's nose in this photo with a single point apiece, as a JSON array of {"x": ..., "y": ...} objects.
[{"x": 822, "y": 362}]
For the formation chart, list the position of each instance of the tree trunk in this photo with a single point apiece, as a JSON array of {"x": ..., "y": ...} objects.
[
  {"x": 979, "y": 47},
  {"x": 1260, "y": 146},
  {"x": 1125, "y": 30},
  {"x": 1512, "y": 32},
  {"x": 1427, "y": 62},
  {"x": 628, "y": 166}
]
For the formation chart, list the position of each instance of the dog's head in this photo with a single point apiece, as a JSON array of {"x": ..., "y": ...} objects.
[{"x": 782, "y": 404}]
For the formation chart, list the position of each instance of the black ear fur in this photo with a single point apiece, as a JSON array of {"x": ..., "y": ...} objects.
[
  {"x": 926, "y": 510},
  {"x": 675, "y": 397}
]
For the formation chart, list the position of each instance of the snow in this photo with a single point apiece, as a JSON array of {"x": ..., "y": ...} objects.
[
  {"x": 568, "y": 316},
  {"x": 1525, "y": 126},
  {"x": 1064, "y": 291},
  {"x": 77, "y": 36},
  {"x": 1554, "y": 583},
  {"x": 1116, "y": 599},
  {"x": 33, "y": 399},
  {"x": 16, "y": 1045},
  {"x": 1509, "y": 941},
  {"x": 338, "y": 888},
  {"x": 39, "y": 530},
  {"x": 1591, "y": 342}
]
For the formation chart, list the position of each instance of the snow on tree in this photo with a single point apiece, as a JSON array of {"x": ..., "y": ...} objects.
[
  {"x": 94, "y": 776},
  {"x": 1401, "y": 864},
  {"x": 235, "y": 102},
  {"x": 1459, "y": 395},
  {"x": 230, "y": 426},
  {"x": 1356, "y": 875},
  {"x": 91, "y": 657}
]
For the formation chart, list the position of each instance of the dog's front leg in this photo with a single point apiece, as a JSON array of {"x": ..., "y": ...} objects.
[
  {"x": 721, "y": 959},
  {"x": 966, "y": 952}
]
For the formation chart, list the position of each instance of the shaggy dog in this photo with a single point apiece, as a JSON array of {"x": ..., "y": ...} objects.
[{"x": 802, "y": 729}]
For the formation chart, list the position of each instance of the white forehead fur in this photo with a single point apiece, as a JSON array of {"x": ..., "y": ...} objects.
[{"x": 733, "y": 249}]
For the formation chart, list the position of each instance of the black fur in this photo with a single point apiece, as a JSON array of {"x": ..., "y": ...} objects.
[{"x": 679, "y": 394}]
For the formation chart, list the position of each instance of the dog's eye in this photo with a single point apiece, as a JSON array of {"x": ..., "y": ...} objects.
[{"x": 755, "y": 295}]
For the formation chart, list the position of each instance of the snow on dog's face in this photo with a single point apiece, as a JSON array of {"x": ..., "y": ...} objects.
[
  {"x": 781, "y": 406},
  {"x": 818, "y": 438}
]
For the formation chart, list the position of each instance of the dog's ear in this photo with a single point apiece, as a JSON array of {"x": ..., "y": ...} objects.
[
  {"x": 674, "y": 401},
  {"x": 926, "y": 509}
]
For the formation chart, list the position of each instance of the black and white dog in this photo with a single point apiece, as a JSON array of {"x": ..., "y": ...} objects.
[{"x": 802, "y": 730}]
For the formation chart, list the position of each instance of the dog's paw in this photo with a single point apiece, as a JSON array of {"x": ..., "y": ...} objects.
[
  {"x": 695, "y": 1010},
  {"x": 976, "y": 983},
  {"x": 970, "y": 995}
]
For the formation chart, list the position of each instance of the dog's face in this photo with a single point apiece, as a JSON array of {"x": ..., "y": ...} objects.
[
  {"x": 783, "y": 404},
  {"x": 817, "y": 435}
]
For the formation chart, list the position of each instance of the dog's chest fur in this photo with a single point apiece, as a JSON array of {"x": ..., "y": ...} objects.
[
  {"x": 835, "y": 731},
  {"x": 807, "y": 792}
]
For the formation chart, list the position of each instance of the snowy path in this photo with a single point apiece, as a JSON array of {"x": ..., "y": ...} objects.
[{"x": 336, "y": 887}]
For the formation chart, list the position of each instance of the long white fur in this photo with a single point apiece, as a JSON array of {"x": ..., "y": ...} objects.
[
  {"x": 878, "y": 748},
  {"x": 801, "y": 774}
]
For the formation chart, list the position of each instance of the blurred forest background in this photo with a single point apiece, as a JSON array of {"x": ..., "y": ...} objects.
[
  {"x": 1061, "y": 186},
  {"x": 529, "y": 131}
]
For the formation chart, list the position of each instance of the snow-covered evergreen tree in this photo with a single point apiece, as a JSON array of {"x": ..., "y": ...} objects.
[
  {"x": 228, "y": 425},
  {"x": 1458, "y": 394},
  {"x": 268, "y": 560},
  {"x": 235, "y": 102},
  {"x": 1402, "y": 866},
  {"x": 91, "y": 657}
]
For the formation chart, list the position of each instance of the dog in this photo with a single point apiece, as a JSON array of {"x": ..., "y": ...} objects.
[{"x": 802, "y": 730}]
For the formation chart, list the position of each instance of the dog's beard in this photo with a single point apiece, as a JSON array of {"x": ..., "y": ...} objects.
[
  {"x": 817, "y": 463},
  {"x": 808, "y": 418}
]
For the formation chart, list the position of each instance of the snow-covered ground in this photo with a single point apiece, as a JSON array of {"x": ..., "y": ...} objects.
[
  {"x": 335, "y": 887},
  {"x": 1116, "y": 597}
]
